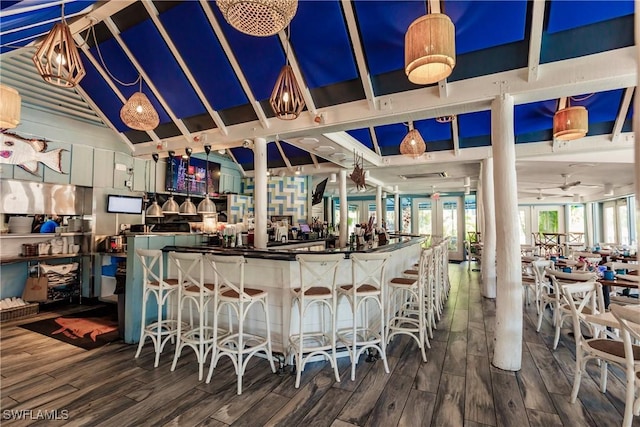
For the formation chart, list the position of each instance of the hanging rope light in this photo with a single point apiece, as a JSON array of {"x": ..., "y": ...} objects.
[
  {"x": 570, "y": 123},
  {"x": 170, "y": 206},
  {"x": 286, "y": 99},
  {"x": 154, "y": 210},
  {"x": 9, "y": 107},
  {"x": 187, "y": 207},
  {"x": 430, "y": 49},
  {"x": 258, "y": 17},
  {"x": 138, "y": 113},
  {"x": 412, "y": 144},
  {"x": 57, "y": 59}
]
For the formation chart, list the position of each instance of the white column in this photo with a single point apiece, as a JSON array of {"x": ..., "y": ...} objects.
[
  {"x": 488, "y": 265},
  {"x": 260, "y": 192},
  {"x": 379, "y": 216},
  {"x": 480, "y": 205},
  {"x": 636, "y": 130},
  {"x": 396, "y": 209},
  {"x": 344, "y": 210},
  {"x": 508, "y": 350}
]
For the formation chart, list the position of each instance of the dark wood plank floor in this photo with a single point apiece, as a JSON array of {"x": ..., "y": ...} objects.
[{"x": 456, "y": 387}]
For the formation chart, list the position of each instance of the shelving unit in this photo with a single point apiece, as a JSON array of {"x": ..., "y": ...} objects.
[{"x": 69, "y": 282}]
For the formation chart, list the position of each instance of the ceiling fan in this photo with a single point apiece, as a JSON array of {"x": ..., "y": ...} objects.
[
  {"x": 539, "y": 195},
  {"x": 568, "y": 185}
]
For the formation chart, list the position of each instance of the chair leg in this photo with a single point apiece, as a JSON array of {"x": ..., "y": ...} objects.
[
  {"x": 143, "y": 334},
  {"x": 629, "y": 397},
  {"x": 577, "y": 376},
  {"x": 603, "y": 376},
  {"x": 556, "y": 339},
  {"x": 178, "y": 337}
]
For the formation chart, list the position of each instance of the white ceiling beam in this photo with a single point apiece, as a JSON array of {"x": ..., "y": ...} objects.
[
  {"x": 622, "y": 114},
  {"x": 356, "y": 44},
  {"x": 352, "y": 145},
  {"x": 20, "y": 7},
  {"x": 215, "y": 25},
  {"x": 314, "y": 159},
  {"x": 293, "y": 62},
  {"x": 153, "y": 12},
  {"x": 455, "y": 136},
  {"x": 535, "y": 39},
  {"x": 374, "y": 140},
  {"x": 284, "y": 156}
]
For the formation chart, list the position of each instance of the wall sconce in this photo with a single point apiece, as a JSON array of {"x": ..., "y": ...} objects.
[
  {"x": 298, "y": 170},
  {"x": 333, "y": 177}
]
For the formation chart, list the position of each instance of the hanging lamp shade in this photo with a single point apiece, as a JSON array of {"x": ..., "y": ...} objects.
[
  {"x": 9, "y": 107},
  {"x": 258, "y": 17},
  {"x": 206, "y": 206},
  {"x": 430, "y": 49},
  {"x": 286, "y": 99},
  {"x": 57, "y": 59},
  {"x": 570, "y": 123},
  {"x": 138, "y": 113},
  {"x": 154, "y": 210},
  {"x": 188, "y": 207},
  {"x": 412, "y": 144},
  {"x": 170, "y": 206}
]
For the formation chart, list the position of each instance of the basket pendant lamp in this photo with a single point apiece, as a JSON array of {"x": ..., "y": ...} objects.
[
  {"x": 170, "y": 206},
  {"x": 258, "y": 17},
  {"x": 430, "y": 49},
  {"x": 154, "y": 210},
  {"x": 9, "y": 107},
  {"x": 57, "y": 59},
  {"x": 412, "y": 144},
  {"x": 206, "y": 206},
  {"x": 286, "y": 99},
  {"x": 570, "y": 123},
  {"x": 138, "y": 113}
]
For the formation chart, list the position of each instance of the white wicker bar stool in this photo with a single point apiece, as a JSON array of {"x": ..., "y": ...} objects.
[
  {"x": 426, "y": 276},
  {"x": 239, "y": 346},
  {"x": 365, "y": 293},
  {"x": 317, "y": 296},
  {"x": 163, "y": 327},
  {"x": 198, "y": 334}
]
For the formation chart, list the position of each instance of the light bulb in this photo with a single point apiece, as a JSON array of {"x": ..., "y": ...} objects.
[
  {"x": 285, "y": 97},
  {"x": 60, "y": 59},
  {"x": 413, "y": 141},
  {"x": 139, "y": 109}
]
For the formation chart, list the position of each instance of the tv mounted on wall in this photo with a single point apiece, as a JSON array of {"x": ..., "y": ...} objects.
[
  {"x": 124, "y": 204},
  {"x": 181, "y": 173}
]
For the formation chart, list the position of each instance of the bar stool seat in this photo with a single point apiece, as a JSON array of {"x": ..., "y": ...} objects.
[{"x": 164, "y": 327}]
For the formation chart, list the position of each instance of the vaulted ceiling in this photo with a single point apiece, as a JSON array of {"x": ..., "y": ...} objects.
[{"x": 211, "y": 84}]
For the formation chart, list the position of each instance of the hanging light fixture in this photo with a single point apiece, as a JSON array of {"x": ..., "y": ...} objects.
[
  {"x": 57, "y": 59},
  {"x": 138, "y": 113},
  {"x": 9, "y": 107},
  {"x": 570, "y": 123},
  {"x": 170, "y": 206},
  {"x": 206, "y": 206},
  {"x": 154, "y": 210},
  {"x": 187, "y": 207},
  {"x": 286, "y": 99},
  {"x": 430, "y": 48},
  {"x": 258, "y": 17},
  {"x": 412, "y": 144}
]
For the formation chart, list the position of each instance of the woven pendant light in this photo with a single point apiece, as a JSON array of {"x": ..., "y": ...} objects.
[
  {"x": 286, "y": 99},
  {"x": 430, "y": 49},
  {"x": 258, "y": 17},
  {"x": 9, "y": 107},
  {"x": 570, "y": 123},
  {"x": 57, "y": 59},
  {"x": 138, "y": 113},
  {"x": 412, "y": 144}
]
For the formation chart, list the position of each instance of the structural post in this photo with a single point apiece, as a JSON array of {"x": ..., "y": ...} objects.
[
  {"x": 636, "y": 130},
  {"x": 379, "y": 216},
  {"x": 480, "y": 205},
  {"x": 508, "y": 350},
  {"x": 344, "y": 210},
  {"x": 396, "y": 209},
  {"x": 260, "y": 192},
  {"x": 488, "y": 265}
]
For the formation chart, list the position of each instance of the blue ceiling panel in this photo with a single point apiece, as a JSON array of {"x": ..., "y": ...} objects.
[
  {"x": 382, "y": 27},
  {"x": 243, "y": 155},
  {"x": 295, "y": 155},
  {"x": 203, "y": 55},
  {"x": 473, "y": 18},
  {"x": 474, "y": 124},
  {"x": 5, "y": 4},
  {"x": 162, "y": 68},
  {"x": 431, "y": 130},
  {"x": 390, "y": 135},
  {"x": 363, "y": 136},
  {"x": 318, "y": 32},
  {"x": 567, "y": 15},
  {"x": 274, "y": 159},
  {"x": 534, "y": 116},
  {"x": 119, "y": 66},
  {"x": 260, "y": 58},
  {"x": 602, "y": 106}
]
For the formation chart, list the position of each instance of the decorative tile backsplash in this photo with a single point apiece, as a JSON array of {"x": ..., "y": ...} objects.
[
  {"x": 239, "y": 205},
  {"x": 285, "y": 196}
]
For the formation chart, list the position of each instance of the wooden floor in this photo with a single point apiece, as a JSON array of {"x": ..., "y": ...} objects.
[{"x": 456, "y": 387}]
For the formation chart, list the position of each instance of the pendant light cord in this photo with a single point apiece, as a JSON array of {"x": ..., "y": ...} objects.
[{"x": 104, "y": 65}]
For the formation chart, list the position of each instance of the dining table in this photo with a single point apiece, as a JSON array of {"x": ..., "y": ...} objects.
[{"x": 616, "y": 282}]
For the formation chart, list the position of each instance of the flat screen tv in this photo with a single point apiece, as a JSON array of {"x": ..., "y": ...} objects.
[
  {"x": 124, "y": 204},
  {"x": 182, "y": 173}
]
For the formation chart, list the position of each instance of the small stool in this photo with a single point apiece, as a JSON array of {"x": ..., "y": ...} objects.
[
  {"x": 317, "y": 291},
  {"x": 239, "y": 346},
  {"x": 163, "y": 328},
  {"x": 366, "y": 289},
  {"x": 200, "y": 335}
]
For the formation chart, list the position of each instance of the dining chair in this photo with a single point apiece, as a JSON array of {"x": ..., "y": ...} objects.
[{"x": 629, "y": 320}]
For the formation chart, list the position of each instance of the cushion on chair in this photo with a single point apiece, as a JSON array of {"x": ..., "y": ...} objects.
[
  {"x": 411, "y": 272},
  {"x": 314, "y": 291},
  {"x": 194, "y": 288},
  {"x": 170, "y": 282},
  {"x": 613, "y": 347},
  {"x": 362, "y": 288},
  {"x": 231, "y": 293},
  {"x": 403, "y": 281}
]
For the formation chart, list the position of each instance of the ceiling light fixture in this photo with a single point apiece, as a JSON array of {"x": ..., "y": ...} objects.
[
  {"x": 9, "y": 107},
  {"x": 430, "y": 48},
  {"x": 154, "y": 210},
  {"x": 170, "y": 206},
  {"x": 206, "y": 206},
  {"x": 187, "y": 207},
  {"x": 570, "y": 123},
  {"x": 412, "y": 144},
  {"x": 286, "y": 99},
  {"x": 138, "y": 113},
  {"x": 259, "y": 18},
  {"x": 57, "y": 59},
  {"x": 298, "y": 170},
  {"x": 608, "y": 189}
]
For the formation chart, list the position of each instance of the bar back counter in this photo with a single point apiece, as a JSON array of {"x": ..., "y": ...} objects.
[{"x": 274, "y": 270}]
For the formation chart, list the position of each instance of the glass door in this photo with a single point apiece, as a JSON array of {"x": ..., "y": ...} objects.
[
  {"x": 424, "y": 216},
  {"x": 449, "y": 222}
]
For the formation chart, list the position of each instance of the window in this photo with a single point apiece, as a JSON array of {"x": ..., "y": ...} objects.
[
  {"x": 391, "y": 215},
  {"x": 425, "y": 218},
  {"x": 405, "y": 203}
]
